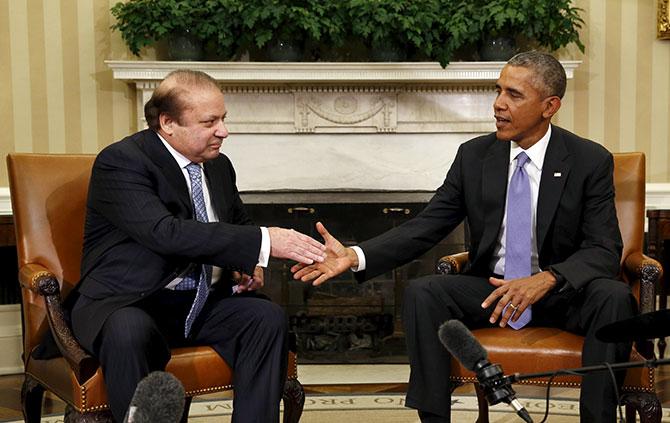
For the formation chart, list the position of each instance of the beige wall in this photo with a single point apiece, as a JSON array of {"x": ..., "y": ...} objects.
[
  {"x": 57, "y": 95},
  {"x": 620, "y": 96}
]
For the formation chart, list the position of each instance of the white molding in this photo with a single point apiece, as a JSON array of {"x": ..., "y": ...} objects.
[
  {"x": 311, "y": 72},
  {"x": 403, "y": 121},
  {"x": 658, "y": 196},
  {"x": 10, "y": 339},
  {"x": 5, "y": 203},
  {"x": 432, "y": 97}
]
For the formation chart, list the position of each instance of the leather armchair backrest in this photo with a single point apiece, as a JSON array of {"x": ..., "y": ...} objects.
[
  {"x": 629, "y": 185},
  {"x": 48, "y": 193}
]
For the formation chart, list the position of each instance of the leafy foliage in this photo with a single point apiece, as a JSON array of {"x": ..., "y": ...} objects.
[
  {"x": 426, "y": 29},
  {"x": 143, "y": 22},
  {"x": 550, "y": 23}
]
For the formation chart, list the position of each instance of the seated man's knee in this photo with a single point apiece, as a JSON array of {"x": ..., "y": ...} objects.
[
  {"x": 420, "y": 289},
  {"x": 616, "y": 291},
  {"x": 131, "y": 329},
  {"x": 614, "y": 294},
  {"x": 273, "y": 316}
]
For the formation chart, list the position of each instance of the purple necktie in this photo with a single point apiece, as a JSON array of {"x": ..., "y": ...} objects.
[
  {"x": 201, "y": 276},
  {"x": 518, "y": 236}
]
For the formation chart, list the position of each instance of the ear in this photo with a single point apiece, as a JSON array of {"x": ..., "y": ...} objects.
[
  {"x": 166, "y": 123},
  {"x": 551, "y": 106}
]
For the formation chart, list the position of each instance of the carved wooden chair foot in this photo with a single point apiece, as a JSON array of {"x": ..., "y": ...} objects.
[
  {"x": 294, "y": 400},
  {"x": 482, "y": 405},
  {"x": 645, "y": 404},
  {"x": 31, "y": 399},
  {"x": 187, "y": 407}
]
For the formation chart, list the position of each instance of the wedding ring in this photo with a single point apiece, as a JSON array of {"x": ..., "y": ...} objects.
[{"x": 513, "y": 306}]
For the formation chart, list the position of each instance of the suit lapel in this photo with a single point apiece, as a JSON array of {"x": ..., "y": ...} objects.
[
  {"x": 157, "y": 152},
  {"x": 555, "y": 171},
  {"x": 494, "y": 187}
]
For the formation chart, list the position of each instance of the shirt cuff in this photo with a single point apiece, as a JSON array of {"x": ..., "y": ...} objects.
[
  {"x": 561, "y": 282},
  {"x": 264, "y": 254},
  {"x": 361, "y": 259}
]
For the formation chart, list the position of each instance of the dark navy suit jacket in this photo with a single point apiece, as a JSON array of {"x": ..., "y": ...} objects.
[
  {"x": 140, "y": 231},
  {"x": 577, "y": 230}
]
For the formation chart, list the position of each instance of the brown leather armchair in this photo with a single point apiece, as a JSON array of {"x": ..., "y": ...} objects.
[
  {"x": 48, "y": 193},
  {"x": 538, "y": 349}
]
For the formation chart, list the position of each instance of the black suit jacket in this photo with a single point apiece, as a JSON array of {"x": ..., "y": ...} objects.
[
  {"x": 577, "y": 230},
  {"x": 140, "y": 231}
]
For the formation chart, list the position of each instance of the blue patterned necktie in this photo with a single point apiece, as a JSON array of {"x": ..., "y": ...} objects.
[
  {"x": 518, "y": 233},
  {"x": 201, "y": 275}
]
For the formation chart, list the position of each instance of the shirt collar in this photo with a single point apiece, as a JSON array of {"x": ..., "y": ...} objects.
[
  {"x": 535, "y": 153},
  {"x": 182, "y": 161}
]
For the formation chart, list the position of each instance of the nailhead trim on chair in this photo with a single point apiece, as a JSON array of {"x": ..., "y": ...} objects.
[
  {"x": 650, "y": 373},
  {"x": 86, "y": 409}
]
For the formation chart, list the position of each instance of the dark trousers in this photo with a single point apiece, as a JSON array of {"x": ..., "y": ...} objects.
[
  {"x": 431, "y": 300},
  {"x": 248, "y": 331}
]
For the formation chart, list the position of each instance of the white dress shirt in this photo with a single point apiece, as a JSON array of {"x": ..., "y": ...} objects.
[{"x": 534, "y": 171}]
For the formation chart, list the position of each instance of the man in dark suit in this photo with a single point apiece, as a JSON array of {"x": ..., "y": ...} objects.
[
  {"x": 572, "y": 252},
  {"x": 171, "y": 258}
]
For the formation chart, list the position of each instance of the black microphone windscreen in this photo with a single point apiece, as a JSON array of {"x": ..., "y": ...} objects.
[
  {"x": 159, "y": 397},
  {"x": 462, "y": 344}
]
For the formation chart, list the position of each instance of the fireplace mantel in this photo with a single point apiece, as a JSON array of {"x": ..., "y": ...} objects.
[
  {"x": 342, "y": 126},
  {"x": 320, "y": 72},
  {"x": 367, "y": 80}
]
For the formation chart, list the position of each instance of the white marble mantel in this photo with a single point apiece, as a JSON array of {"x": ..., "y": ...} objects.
[{"x": 322, "y": 126}]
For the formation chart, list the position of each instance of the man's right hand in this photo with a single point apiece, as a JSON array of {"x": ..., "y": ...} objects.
[
  {"x": 339, "y": 259},
  {"x": 289, "y": 244}
]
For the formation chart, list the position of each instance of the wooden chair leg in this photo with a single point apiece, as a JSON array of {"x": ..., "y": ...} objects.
[
  {"x": 187, "y": 406},
  {"x": 646, "y": 404},
  {"x": 482, "y": 404},
  {"x": 31, "y": 400},
  {"x": 294, "y": 400}
]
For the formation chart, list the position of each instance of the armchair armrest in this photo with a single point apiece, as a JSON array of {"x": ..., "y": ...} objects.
[
  {"x": 452, "y": 264},
  {"x": 41, "y": 281},
  {"x": 638, "y": 267}
]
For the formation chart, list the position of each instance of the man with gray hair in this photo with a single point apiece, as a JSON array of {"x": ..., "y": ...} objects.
[
  {"x": 171, "y": 257},
  {"x": 545, "y": 246}
]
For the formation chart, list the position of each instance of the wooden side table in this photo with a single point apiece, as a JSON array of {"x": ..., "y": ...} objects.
[
  {"x": 10, "y": 292},
  {"x": 7, "y": 237},
  {"x": 658, "y": 247}
]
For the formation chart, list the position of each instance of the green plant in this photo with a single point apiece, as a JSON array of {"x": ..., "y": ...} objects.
[
  {"x": 399, "y": 25},
  {"x": 419, "y": 29},
  {"x": 143, "y": 22},
  {"x": 549, "y": 23},
  {"x": 266, "y": 20},
  {"x": 221, "y": 26}
]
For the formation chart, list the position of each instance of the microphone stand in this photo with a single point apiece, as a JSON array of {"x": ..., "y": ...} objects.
[
  {"x": 582, "y": 370},
  {"x": 588, "y": 369}
]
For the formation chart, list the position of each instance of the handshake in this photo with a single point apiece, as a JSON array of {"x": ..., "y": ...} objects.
[{"x": 316, "y": 262}]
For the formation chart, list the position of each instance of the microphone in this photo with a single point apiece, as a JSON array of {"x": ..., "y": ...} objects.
[
  {"x": 460, "y": 342},
  {"x": 159, "y": 397}
]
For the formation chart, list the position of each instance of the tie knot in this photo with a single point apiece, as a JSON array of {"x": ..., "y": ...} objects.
[
  {"x": 193, "y": 170},
  {"x": 522, "y": 159}
]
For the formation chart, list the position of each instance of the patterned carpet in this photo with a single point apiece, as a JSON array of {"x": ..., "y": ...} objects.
[{"x": 388, "y": 408}]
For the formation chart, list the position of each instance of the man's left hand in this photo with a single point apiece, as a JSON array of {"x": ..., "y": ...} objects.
[
  {"x": 249, "y": 283},
  {"x": 520, "y": 293}
]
